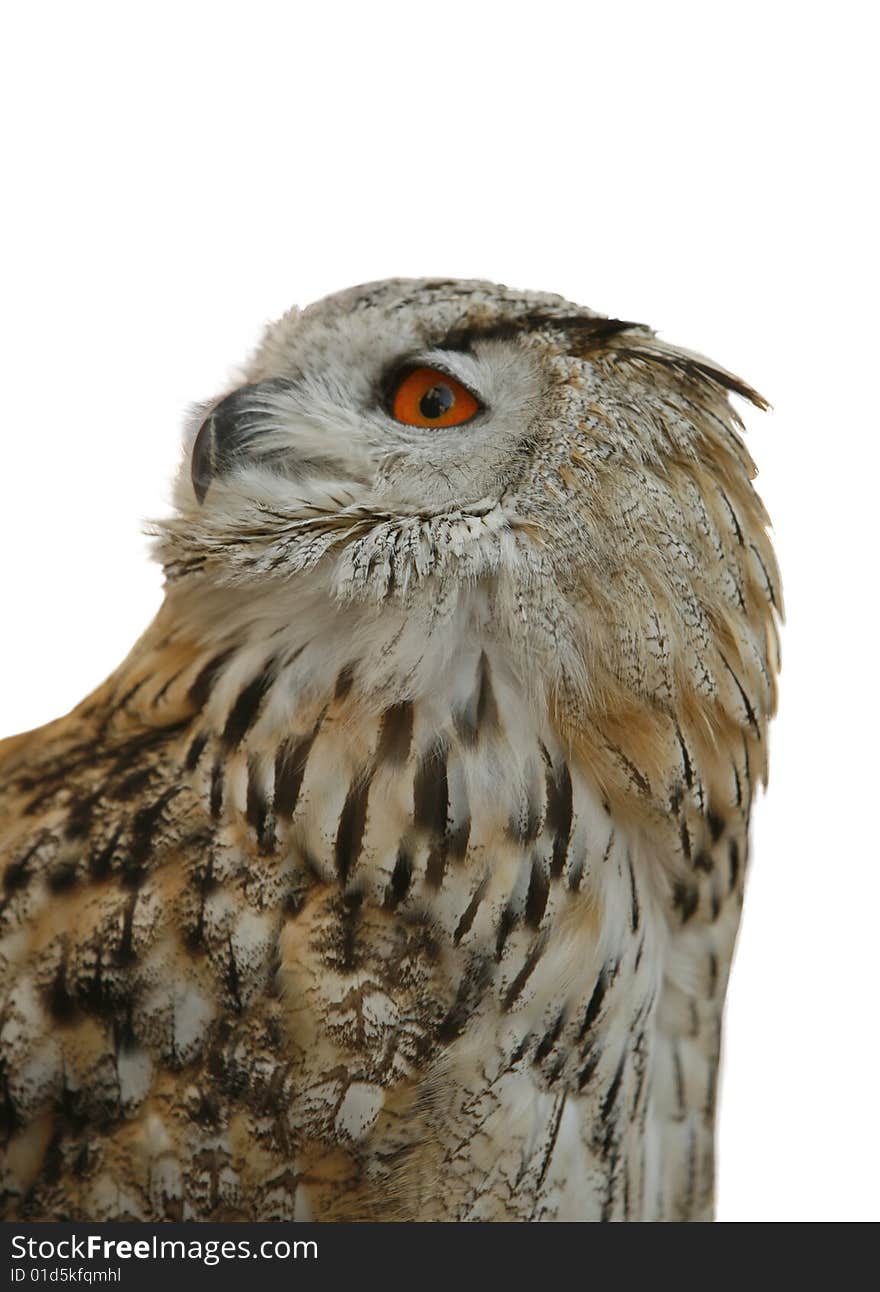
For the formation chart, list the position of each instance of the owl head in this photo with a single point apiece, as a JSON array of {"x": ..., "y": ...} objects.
[{"x": 417, "y": 466}]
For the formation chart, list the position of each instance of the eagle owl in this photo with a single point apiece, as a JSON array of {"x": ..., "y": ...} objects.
[{"x": 396, "y": 873}]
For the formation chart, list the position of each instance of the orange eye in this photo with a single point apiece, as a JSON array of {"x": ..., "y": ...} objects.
[{"x": 426, "y": 397}]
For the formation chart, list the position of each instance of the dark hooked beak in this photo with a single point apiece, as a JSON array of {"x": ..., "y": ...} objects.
[{"x": 227, "y": 437}]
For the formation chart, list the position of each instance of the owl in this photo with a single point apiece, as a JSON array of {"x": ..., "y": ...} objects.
[{"x": 396, "y": 873}]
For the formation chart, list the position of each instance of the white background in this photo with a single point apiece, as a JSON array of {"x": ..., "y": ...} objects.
[{"x": 177, "y": 175}]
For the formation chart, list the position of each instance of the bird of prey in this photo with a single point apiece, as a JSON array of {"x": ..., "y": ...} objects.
[{"x": 396, "y": 873}]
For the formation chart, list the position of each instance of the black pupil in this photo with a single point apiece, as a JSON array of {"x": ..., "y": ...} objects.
[{"x": 436, "y": 401}]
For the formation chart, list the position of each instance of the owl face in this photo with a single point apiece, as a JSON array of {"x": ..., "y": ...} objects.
[
  {"x": 414, "y": 400},
  {"x": 441, "y": 452},
  {"x": 432, "y": 400}
]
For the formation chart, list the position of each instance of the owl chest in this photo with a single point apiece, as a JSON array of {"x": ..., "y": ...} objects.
[{"x": 477, "y": 949}]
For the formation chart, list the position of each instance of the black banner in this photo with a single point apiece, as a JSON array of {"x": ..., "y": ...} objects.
[
  {"x": 286, "y": 1256},
  {"x": 132, "y": 1256}
]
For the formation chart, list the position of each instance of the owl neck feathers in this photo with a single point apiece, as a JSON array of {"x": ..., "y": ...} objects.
[{"x": 253, "y": 680}]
